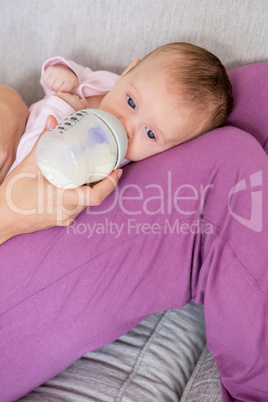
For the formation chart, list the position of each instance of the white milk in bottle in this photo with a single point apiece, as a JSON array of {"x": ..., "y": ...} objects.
[{"x": 84, "y": 148}]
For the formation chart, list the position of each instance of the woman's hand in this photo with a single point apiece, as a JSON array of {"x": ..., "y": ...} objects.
[
  {"x": 13, "y": 116},
  {"x": 28, "y": 202}
]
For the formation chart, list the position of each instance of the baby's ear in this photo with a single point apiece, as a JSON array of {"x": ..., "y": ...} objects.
[{"x": 133, "y": 64}]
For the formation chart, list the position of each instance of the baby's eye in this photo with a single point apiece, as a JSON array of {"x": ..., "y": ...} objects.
[
  {"x": 150, "y": 133},
  {"x": 131, "y": 102}
]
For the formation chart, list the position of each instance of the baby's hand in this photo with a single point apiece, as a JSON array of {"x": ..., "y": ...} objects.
[
  {"x": 73, "y": 100},
  {"x": 60, "y": 79}
]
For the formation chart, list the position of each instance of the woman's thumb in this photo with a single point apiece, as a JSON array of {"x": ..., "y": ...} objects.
[{"x": 50, "y": 122}]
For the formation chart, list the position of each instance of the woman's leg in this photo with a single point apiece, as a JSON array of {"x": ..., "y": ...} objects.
[{"x": 181, "y": 225}]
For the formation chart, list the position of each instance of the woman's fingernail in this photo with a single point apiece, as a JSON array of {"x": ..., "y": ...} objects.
[
  {"x": 48, "y": 122},
  {"x": 119, "y": 174}
]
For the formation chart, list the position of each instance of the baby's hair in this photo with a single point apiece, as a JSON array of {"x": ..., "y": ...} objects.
[{"x": 201, "y": 79}]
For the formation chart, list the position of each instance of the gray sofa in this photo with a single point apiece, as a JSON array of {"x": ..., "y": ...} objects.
[{"x": 164, "y": 358}]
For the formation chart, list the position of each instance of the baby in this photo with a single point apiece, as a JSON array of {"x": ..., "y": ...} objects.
[{"x": 174, "y": 94}]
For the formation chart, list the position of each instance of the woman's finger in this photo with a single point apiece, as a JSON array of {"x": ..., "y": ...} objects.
[
  {"x": 102, "y": 189},
  {"x": 92, "y": 196}
]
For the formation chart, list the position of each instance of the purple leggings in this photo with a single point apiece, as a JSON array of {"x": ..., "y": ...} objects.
[
  {"x": 191, "y": 223},
  {"x": 167, "y": 235}
]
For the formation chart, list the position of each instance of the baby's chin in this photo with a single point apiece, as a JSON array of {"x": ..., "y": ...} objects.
[
  {"x": 129, "y": 156},
  {"x": 134, "y": 156}
]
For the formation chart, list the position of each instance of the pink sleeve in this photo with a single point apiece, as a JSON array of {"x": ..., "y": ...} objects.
[
  {"x": 40, "y": 111},
  {"x": 90, "y": 82},
  {"x": 36, "y": 123}
]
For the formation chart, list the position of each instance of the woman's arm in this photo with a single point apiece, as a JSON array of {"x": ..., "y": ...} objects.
[
  {"x": 13, "y": 116},
  {"x": 28, "y": 202}
]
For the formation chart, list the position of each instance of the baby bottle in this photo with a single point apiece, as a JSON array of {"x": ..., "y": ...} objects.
[{"x": 84, "y": 148}]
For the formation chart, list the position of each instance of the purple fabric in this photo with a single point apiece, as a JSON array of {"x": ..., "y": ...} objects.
[
  {"x": 65, "y": 292},
  {"x": 250, "y": 93}
]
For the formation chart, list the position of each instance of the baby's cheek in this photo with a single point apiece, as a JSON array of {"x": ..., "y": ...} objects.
[{"x": 136, "y": 153}]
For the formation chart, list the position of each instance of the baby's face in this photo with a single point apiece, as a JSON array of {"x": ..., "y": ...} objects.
[{"x": 153, "y": 119}]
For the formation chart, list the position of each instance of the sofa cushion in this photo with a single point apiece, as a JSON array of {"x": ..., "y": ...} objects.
[
  {"x": 151, "y": 362},
  {"x": 204, "y": 384}
]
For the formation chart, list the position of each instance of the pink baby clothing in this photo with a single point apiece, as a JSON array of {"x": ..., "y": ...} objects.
[{"x": 90, "y": 83}]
